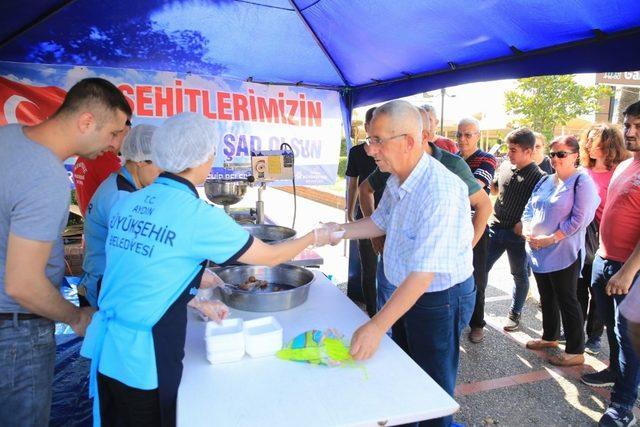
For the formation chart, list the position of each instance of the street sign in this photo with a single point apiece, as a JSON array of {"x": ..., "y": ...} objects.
[{"x": 625, "y": 78}]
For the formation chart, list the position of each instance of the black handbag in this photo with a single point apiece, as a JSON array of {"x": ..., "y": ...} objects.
[
  {"x": 591, "y": 241},
  {"x": 592, "y": 235}
]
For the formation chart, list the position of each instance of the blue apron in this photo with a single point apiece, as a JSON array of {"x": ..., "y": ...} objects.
[
  {"x": 117, "y": 185},
  {"x": 158, "y": 242}
]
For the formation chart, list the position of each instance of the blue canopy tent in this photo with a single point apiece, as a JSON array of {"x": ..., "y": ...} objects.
[{"x": 368, "y": 50}]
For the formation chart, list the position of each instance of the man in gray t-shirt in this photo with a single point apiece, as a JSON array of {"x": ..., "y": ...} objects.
[{"x": 34, "y": 203}]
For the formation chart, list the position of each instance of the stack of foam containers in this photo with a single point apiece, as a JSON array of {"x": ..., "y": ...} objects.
[
  {"x": 228, "y": 342},
  {"x": 225, "y": 341},
  {"x": 262, "y": 337}
]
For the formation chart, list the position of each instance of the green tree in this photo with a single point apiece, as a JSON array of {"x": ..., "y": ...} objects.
[{"x": 542, "y": 103}]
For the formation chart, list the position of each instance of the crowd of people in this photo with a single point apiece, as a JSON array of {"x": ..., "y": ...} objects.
[
  {"x": 571, "y": 217},
  {"x": 419, "y": 209}
]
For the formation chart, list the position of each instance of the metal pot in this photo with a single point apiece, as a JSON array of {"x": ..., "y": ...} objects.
[
  {"x": 294, "y": 283},
  {"x": 225, "y": 191},
  {"x": 270, "y": 233}
]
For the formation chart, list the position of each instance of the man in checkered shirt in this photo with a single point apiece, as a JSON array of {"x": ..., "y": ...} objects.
[{"x": 426, "y": 217}]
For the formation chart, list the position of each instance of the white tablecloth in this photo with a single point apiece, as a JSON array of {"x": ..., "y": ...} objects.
[{"x": 390, "y": 388}]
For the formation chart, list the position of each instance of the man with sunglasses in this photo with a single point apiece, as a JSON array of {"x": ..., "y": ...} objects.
[
  {"x": 615, "y": 267},
  {"x": 483, "y": 167},
  {"x": 513, "y": 185}
]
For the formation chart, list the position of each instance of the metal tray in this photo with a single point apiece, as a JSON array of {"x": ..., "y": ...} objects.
[
  {"x": 225, "y": 192},
  {"x": 296, "y": 279},
  {"x": 270, "y": 233}
]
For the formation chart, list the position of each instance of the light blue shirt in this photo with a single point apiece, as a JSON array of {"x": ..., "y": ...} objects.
[
  {"x": 427, "y": 221},
  {"x": 95, "y": 229},
  {"x": 569, "y": 207},
  {"x": 157, "y": 239}
]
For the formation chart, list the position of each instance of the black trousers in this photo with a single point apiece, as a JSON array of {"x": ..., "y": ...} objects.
[
  {"x": 124, "y": 406},
  {"x": 595, "y": 325},
  {"x": 368, "y": 266},
  {"x": 481, "y": 277},
  {"x": 558, "y": 294}
]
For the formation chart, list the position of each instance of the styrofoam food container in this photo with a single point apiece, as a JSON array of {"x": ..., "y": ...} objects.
[
  {"x": 225, "y": 342},
  {"x": 262, "y": 336}
]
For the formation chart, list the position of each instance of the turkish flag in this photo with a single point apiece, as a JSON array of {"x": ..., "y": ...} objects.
[{"x": 26, "y": 104}]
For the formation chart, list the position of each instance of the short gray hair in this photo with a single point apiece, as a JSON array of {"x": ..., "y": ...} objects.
[
  {"x": 429, "y": 109},
  {"x": 426, "y": 123},
  {"x": 469, "y": 121},
  {"x": 401, "y": 111}
]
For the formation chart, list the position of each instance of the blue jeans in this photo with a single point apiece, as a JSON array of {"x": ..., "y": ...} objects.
[
  {"x": 27, "y": 360},
  {"x": 354, "y": 287},
  {"x": 501, "y": 240},
  {"x": 385, "y": 288},
  {"x": 622, "y": 359},
  {"x": 433, "y": 327}
]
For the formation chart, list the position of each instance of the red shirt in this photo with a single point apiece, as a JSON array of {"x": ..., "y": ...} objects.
[
  {"x": 88, "y": 175},
  {"x": 602, "y": 180},
  {"x": 446, "y": 144},
  {"x": 620, "y": 226}
]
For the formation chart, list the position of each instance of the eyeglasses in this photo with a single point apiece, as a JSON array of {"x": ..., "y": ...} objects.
[
  {"x": 561, "y": 154},
  {"x": 379, "y": 141}
]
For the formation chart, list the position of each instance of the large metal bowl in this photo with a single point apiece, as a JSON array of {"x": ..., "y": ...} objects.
[
  {"x": 225, "y": 192},
  {"x": 298, "y": 279},
  {"x": 270, "y": 233}
]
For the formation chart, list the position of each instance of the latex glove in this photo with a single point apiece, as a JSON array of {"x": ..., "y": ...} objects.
[
  {"x": 210, "y": 280},
  {"x": 365, "y": 341},
  {"x": 210, "y": 309},
  {"x": 328, "y": 233},
  {"x": 204, "y": 294}
]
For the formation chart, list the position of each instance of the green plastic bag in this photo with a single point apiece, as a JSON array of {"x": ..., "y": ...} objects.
[{"x": 319, "y": 348}]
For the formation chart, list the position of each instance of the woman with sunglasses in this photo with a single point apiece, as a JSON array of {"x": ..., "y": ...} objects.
[
  {"x": 601, "y": 150},
  {"x": 554, "y": 222}
]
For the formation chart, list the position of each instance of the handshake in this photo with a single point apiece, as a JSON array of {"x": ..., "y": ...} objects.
[{"x": 328, "y": 233}]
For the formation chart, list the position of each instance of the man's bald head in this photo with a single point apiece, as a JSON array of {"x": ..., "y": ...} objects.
[
  {"x": 404, "y": 117},
  {"x": 396, "y": 140}
]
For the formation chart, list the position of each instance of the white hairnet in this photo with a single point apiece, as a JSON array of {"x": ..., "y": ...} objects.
[
  {"x": 137, "y": 144},
  {"x": 183, "y": 141}
]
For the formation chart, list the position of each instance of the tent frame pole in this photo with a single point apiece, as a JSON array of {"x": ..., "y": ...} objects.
[
  {"x": 319, "y": 43},
  {"x": 39, "y": 20},
  {"x": 599, "y": 37}
]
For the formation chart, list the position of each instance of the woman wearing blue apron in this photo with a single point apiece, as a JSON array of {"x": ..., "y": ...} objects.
[
  {"x": 158, "y": 242},
  {"x": 137, "y": 172}
]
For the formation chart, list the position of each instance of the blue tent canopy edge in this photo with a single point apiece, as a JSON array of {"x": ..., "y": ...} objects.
[{"x": 369, "y": 51}]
